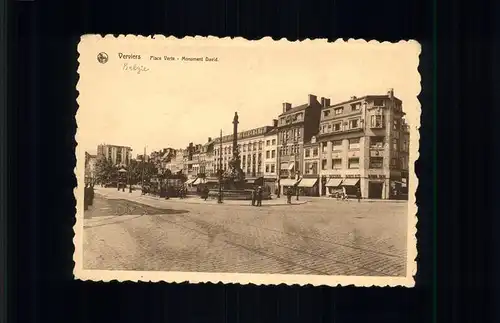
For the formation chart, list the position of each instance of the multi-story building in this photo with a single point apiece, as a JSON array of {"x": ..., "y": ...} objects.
[
  {"x": 118, "y": 155},
  {"x": 175, "y": 165},
  {"x": 187, "y": 161},
  {"x": 363, "y": 144},
  {"x": 251, "y": 145},
  {"x": 90, "y": 164},
  {"x": 309, "y": 183},
  {"x": 270, "y": 157},
  {"x": 296, "y": 126}
]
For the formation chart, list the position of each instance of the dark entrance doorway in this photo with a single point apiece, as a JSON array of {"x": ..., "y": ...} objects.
[{"x": 375, "y": 190}]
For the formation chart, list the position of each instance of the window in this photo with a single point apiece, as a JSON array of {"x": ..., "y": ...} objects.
[
  {"x": 395, "y": 124},
  {"x": 272, "y": 169},
  {"x": 254, "y": 146},
  {"x": 376, "y": 162},
  {"x": 323, "y": 148},
  {"x": 244, "y": 159},
  {"x": 395, "y": 144},
  {"x": 267, "y": 168},
  {"x": 378, "y": 102},
  {"x": 330, "y": 128},
  {"x": 394, "y": 162},
  {"x": 323, "y": 164},
  {"x": 377, "y": 142},
  {"x": 337, "y": 144},
  {"x": 268, "y": 154},
  {"x": 353, "y": 124},
  {"x": 356, "y": 106},
  {"x": 326, "y": 113},
  {"x": 308, "y": 152},
  {"x": 354, "y": 143},
  {"x": 299, "y": 117},
  {"x": 337, "y": 126},
  {"x": 339, "y": 111},
  {"x": 273, "y": 154},
  {"x": 377, "y": 121},
  {"x": 274, "y": 142},
  {"x": 354, "y": 163},
  {"x": 268, "y": 142},
  {"x": 337, "y": 163},
  {"x": 260, "y": 145},
  {"x": 315, "y": 152}
]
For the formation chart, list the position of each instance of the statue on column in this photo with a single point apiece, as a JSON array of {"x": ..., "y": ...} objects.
[{"x": 234, "y": 173}]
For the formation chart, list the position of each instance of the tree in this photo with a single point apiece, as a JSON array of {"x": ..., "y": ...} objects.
[{"x": 104, "y": 170}]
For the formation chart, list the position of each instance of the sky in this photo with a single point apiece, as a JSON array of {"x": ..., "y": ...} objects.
[{"x": 174, "y": 103}]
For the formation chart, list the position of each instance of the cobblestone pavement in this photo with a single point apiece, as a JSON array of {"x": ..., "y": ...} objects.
[{"x": 323, "y": 237}]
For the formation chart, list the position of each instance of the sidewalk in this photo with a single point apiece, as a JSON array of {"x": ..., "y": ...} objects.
[{"x": 137, "y": 197}]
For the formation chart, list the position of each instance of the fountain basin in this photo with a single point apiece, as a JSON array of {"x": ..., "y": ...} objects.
[{"x": 242, "y": 194}]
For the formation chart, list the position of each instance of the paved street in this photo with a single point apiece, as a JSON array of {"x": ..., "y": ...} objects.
[{"x": 124, "y": 231}]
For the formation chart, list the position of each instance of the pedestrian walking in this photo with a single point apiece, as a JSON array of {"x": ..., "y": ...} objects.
[
  {"x": 358, "y": 194},
  {"x": 344, "y": 194},
  {"x": 254, "y": 193},
  {"x": 298, "y": 192},
  {"x": 289, "y": 194},
  {"x": 205, "y": 192},
  {"x": 259, "y": 196}
]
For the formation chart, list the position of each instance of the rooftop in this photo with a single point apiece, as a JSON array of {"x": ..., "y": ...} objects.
[{"x": 295, "y": 109}]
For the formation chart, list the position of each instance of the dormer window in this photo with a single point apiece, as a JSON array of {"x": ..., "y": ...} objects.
[
  {"x": 339, "y": 111},
  {"x": 355, "y": 107},
  {"x": 378, "y": 102},
  {"x": 326, "y": 113}
]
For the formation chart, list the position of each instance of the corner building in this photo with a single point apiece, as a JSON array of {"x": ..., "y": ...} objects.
[
  {"x": 364, "y": 143},
  {"x": 296, "y": 126}
]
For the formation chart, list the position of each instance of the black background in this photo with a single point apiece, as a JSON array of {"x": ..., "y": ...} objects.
[{"x": 42, "y": 78}]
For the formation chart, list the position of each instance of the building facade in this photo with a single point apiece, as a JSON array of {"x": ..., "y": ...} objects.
[
  {"x": 176, "y": 164},
  {"x": 364, "y": 144},
  {"x": 296, "y": 126},
  {"x": 251, "y": 146},
  {"x": 271, "y": 158},
  {"x": 118, "y": 155},
  {"x": 90, "y": 166}
]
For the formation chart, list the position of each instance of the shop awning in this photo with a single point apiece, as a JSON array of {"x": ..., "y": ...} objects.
[
  {"x": 290, "y": 167},
  {"x": 288, "y": 182},
  {"x": 190, "y": 181},
  {"x": 198, "y": 181},
  {"x": 211, "y": 180},
  {"x": 350, "y": 182},
  {"x": 254, "y": 180},
  {"x": 334, "y": 182},
  {"x": 307, "y": 182},
  {"x": 284, "y": 166}
]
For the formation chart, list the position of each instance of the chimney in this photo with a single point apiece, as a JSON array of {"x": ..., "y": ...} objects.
[
  {"x": 209, "y": 139},
  {"x": 327, "y": 102},
  {"x": 322, "y": 101},
  {"x": 312, "y": 99},
  {"x": 275, "y": 123},
  {"x": 390, "y": 93},
  {"x": 354, "y": 97},
  {"x": 286, "y": 106}
]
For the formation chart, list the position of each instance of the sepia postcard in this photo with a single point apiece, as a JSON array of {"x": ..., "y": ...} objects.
[{"x": 269, "y": 162}]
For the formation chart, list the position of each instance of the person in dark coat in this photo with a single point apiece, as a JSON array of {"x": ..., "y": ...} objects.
[
  {"x": 259, "y": 196},
  {"x": 205, "y": 192},
  {"x": 254, "y": 197},
  {"x": 289, "y": 194},
  {"x": 358, "y": 194}
]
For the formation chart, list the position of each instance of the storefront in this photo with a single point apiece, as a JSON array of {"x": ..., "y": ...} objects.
[
  {"x": 333, "y": 186},
  {"x": 351, "y": 186},
  {"x": 286, "y": 183},
  {"x": 270, "y": 183},
  {"x": 308, "y": 187}
]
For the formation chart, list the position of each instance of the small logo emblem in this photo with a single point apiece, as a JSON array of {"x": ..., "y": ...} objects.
[{"x": 102, "y": 57}]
